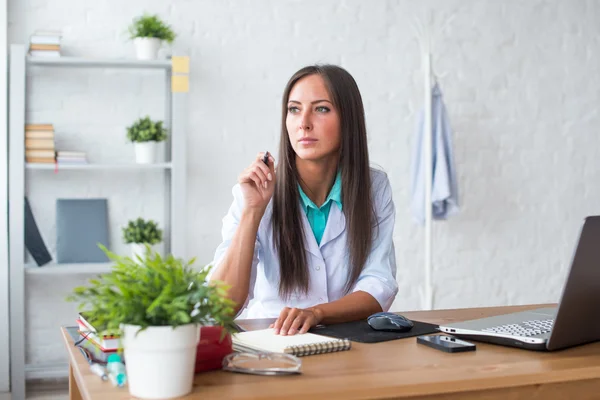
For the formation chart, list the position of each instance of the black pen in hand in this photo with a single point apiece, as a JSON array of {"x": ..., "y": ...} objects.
[{"x": 265, "y": 158}]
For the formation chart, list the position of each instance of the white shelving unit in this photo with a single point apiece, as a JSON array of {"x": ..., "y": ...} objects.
[
  {"x": 98, "y": 166},
  {"x": 98, "y": 63},
  {"x": 68, "y": 269},
  {"x": 174, "y": 170},
  {"x": 4, "y": 271}
]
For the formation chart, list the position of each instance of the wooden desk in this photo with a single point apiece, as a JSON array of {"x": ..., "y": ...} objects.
[{"x": 398, "y": 369}]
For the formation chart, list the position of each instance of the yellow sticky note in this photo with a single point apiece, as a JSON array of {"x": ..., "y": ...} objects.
[
  {"x": 180, "y": 64},
  {"x": 180, "y": 83}
]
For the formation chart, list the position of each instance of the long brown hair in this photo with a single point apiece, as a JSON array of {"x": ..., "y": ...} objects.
[{"x": 288, "y": 229}]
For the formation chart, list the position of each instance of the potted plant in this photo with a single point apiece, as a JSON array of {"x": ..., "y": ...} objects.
[
  {"x": 157, "y": 309},
  {"x": 145, "y": 135},
  {"x": 148, "y": 32},
  {"x": 140, "y": 235}
]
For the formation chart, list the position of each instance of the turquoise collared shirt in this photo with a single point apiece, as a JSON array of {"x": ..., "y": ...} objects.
[{"x": 317, "y": 216}]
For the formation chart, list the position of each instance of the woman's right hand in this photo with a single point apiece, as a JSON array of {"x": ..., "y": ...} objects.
[{"x": 258, "y": 183}]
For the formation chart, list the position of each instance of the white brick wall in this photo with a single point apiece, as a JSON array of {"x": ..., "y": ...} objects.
[{"x": 521, "y": 86}]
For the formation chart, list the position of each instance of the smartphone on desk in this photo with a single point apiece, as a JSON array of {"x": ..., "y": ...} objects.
[{"x": 446, "y": 343}]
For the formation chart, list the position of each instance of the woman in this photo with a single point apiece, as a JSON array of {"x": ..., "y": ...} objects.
[{"x": 310, "y": 241}]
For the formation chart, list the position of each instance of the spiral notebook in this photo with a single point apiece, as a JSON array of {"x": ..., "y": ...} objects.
[{"x": 306, "y": 344}]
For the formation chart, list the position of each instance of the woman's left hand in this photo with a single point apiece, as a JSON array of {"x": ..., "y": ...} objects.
[{"x": 296, "y": 320}]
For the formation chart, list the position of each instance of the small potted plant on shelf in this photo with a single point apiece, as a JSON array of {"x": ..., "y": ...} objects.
[
  {"x": 148, "y": 32},
  {"x": 157, "y": 310},
  {"x": 145, "y": 135},
  {"x": 140, "y": 235}
]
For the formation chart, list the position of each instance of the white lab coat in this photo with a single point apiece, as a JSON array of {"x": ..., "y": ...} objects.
[{"x": 327, "y": 263}]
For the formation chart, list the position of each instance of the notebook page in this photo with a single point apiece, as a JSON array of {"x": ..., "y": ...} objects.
[{"x": 267, "y": 340}]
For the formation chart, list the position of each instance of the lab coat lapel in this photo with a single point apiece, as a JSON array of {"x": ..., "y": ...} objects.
[
  {"x": 336, "y": 224},
  {"x": 310, "y": 242}
]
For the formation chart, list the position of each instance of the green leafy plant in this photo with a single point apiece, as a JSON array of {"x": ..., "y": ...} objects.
[
  {"x": 161, "y": 292},
  {"x": 151, "y": 26},
  {"x": 142, "y": 231},
  {"x": 146, "y": 130}
]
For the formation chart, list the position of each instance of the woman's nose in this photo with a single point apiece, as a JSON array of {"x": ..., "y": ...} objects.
[{"x": 305, "y": 123}]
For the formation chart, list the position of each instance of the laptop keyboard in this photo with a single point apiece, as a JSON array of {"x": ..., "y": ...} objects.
[{"x": 526, "y": 328}]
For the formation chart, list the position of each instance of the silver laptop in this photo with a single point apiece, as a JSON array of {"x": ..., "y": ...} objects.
[{"x": 575, "y": 321}]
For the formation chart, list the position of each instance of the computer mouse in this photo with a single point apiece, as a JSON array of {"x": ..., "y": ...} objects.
[{"x": 390, "y": 322}]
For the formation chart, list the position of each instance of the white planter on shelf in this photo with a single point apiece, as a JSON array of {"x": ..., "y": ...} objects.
[
  {"x": 160, "y": 360},
  {"x": 145, "y": 152},
  {"x": 146, "y": 48},
  {"x": 139, "y": 249}
]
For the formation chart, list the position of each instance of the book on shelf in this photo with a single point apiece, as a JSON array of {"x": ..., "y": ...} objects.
[
  {"x": 39, "y": 131},
  {"x": 71, "y": 157},
  {"x": 37, "y": 160},
  {"x": 40, "y": 154},
  {"x": 39, "y": 127},
  {"x": 44, "y": 53},
  {"x": 39, "y": 144},
  {"x": 80, "y": 225},
  {"x": 70, "y": 153},
  {"x": 33, "y": 239},
  {"x": 306, "y": 344},
  {"x": 106, "y": 343},
  {"x": 45, "y": 44},
  {"x": 42, "y": 36},
  {"x": 39, "y": 134},
  {"x": 44, "y": 47},
  {"x": 71, "y": 161}
]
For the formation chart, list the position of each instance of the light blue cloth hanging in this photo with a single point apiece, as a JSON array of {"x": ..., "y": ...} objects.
[{"x": 444, "y": 192}]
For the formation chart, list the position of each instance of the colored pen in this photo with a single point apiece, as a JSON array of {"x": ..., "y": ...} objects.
[
  {"x": 265, "y": 158},
  {"x": 99, "y": 370}
]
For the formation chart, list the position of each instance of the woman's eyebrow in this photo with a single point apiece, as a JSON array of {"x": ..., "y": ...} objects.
[{"x": 312, "y": 102}]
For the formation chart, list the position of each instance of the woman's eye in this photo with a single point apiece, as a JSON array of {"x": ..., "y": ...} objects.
[
  {"x": 292, "y": 109},
  {"x": 322, "y": 109}
]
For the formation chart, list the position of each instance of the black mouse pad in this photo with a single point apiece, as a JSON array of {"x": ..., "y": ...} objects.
[{"x": 361, "y": 331}]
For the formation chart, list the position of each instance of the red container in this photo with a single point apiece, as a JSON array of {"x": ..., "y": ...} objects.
[{"x": 212, "y": 349}]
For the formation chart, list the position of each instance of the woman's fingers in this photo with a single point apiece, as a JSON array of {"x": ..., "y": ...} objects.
[
  {"x": 254, "y": 175},
  {"x": 306, "y": 326},
  {"x": 260, "y": 170},
  {"x": 266, "y": 169},
  {"x": 280, "y": 319},
  {"x": 262, "y": 176},
  {"x": 298, "y": 322},
  {"x": 287, "y": 323},
  {"x": 294, "y": 320}
]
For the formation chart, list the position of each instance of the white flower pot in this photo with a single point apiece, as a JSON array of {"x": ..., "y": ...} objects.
[
  {"x": 145, "y": 152},
  {"x": 146, "y": 48},
  {"x": 138, "y": 249},
  {"x": 160, "y": 360}
]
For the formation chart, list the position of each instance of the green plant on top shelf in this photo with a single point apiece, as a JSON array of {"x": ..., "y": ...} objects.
[
  {"x": 142, "y": 231},
  {"x": 162, "y": 292},
  {"x": 151, "y": 26},
  {"x": 146, "y": 130}
]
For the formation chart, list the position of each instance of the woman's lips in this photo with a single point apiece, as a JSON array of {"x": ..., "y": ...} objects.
[{"x": 307, "y": 140}]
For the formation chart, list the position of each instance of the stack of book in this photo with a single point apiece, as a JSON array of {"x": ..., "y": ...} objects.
[
  {"x": 71, "y": 157},
  {"x": 45, "y": 44},
  {"x": 107, "y": 344},
  {"x": 39, "y": 143}
]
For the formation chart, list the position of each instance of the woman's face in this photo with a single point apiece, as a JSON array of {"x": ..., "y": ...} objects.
[{"x": 312, "y": 121}]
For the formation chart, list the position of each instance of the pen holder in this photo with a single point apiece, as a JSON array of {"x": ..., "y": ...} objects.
[{"x": 212, "y": 349}]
